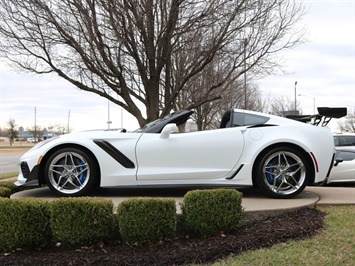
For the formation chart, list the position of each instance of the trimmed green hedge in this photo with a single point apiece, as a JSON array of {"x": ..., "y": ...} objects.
[
  {"x": 5, "y": 192},
  {"x": 79, "y": 221},
  {"x": 24, "y": 223},
  {"x": 146, "y": 219},
  {"x": 10, "y": 185},
  {"x": 212, "y": 211},
  {"x": 29, "y": 223}
]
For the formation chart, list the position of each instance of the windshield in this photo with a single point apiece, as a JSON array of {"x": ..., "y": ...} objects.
[{"x": 153, "y": 123}]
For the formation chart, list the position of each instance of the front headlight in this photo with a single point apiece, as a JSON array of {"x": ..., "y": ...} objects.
[{"x": 40, "y": 144}]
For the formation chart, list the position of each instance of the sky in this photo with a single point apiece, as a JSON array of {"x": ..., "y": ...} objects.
[{"x": 324, "y": 68}]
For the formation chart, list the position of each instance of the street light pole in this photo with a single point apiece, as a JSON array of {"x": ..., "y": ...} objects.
[{"x": 295, "y": 97}]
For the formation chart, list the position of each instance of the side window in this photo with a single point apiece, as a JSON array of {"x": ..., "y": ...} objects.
[
  {"x": 241, "y": 119},
  {"x": 344, "y": 141},
  {"x": 346, "y": 155},
  {"x": 350, "y": 141}
]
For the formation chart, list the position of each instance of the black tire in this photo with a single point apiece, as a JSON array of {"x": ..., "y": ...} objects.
[
  {"x": 71, "y": 172},
  {"x": 281, "y": 172}
]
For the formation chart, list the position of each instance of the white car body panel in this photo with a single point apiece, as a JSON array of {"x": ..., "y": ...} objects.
[
  {"x": 344, "y": 171},
  {"x": 289, "y": 134},
  {"x": 186, "y": 156}
]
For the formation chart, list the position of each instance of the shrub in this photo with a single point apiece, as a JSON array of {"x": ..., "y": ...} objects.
[
  {"x": 24, "y": 223},
  {"x": 5, "y": 192},
  {"x": 146, "y": 219},
  {"x": 79, "y": 221},
  {"x": 211, "y": 211},
  {"x": 10, "y": 185}
]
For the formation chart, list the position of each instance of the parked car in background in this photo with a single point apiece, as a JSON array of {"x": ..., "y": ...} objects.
[
  {"x": 30, "y": 140},
  {"x": 344, "y": 166},
  {"x": 278, "y": 155},
  {"x": 344, "y": 140}
]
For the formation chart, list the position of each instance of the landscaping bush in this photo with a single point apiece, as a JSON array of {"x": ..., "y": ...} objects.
[
  {"x": 80, "y": 221},
  {"x": 211, "y": 211},
  {"x": 146, "y": 219},
  {"x": 24, "y": 223},
  {"x": 10, "y": 185},
  {"x": 5, "y": 192}
]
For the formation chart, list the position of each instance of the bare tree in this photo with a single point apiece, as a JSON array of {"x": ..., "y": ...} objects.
[
  {"x": 60, "y": 129},
  {"x": 282, "y": 106},
  {"x": 208, "y": 115},
  {"x": 3, "y": 132},
  {"x": 11, "y": 130},
  {"x": 37, "y": 132},
  {"x": 144, "y": 55},
  {"x": 348, "y": 123}
]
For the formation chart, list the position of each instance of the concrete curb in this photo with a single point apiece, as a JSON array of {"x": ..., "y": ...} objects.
[{"x": 252, "y": 200}]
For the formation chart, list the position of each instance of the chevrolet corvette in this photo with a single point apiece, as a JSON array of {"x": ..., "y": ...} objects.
[{"x": 278, "y": 155}]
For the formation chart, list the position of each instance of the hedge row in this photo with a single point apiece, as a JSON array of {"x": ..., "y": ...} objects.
[
  {"x": 7, "y": 188},
  {"x": 28, "y": 223}
]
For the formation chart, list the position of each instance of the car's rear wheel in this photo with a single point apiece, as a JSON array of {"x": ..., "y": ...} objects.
[
  {"x": 282, "y": 172},
  {"x": 71, "y": 172}
]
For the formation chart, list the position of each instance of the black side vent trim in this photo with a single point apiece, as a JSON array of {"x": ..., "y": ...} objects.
[
  {"x": 236, "y": 172},
  {"x": 114, "y": 153}
]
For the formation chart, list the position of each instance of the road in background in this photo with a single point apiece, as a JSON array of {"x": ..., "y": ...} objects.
[
  {"x": 10, "y": 155},
  {"x": 9, "y": 161}
]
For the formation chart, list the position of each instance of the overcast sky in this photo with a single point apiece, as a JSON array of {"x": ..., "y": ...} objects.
[{"x": 324, "y": 69}]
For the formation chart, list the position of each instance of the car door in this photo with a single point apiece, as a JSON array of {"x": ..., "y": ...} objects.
[
  {"x": 345, "y": 170},
  {"x": 200, "y": 155}
]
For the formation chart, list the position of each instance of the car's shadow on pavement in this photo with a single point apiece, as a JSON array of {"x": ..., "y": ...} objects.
[{"x": 163, "y": 192}]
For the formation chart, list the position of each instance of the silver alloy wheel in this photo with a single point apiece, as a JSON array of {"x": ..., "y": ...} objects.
[
  {"x": 284, "y": 173},
  {"x": 69, "y": 172}
]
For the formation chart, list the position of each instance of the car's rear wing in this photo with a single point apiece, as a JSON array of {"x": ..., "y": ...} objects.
[{"x": 325, "y": 114}]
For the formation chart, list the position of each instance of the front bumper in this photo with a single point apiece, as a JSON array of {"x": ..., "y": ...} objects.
[{"x": 27, "y": 177}]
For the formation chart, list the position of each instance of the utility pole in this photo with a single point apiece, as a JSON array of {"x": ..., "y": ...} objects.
[
  {"x": 68, "y": 120},
  {"x": 35, "y": 134},
  {"x": 245, "y": 75}
]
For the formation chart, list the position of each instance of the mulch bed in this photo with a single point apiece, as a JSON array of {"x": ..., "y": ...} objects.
[{"x": 300, "y": 224}]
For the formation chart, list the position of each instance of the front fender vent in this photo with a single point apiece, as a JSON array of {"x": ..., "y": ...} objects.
[
  {"x": 114, "y": 153},
  {"x": 25, "y": 170}
]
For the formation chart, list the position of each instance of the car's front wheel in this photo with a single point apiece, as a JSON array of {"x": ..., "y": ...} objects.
[
  {"x": 282, "y": 172},
  {"x": 71, "y": 172}
]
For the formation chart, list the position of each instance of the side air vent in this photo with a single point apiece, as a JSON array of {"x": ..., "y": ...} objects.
[
  {"x": 25, "y": 170},
  {"x": 114, "y": 153}
]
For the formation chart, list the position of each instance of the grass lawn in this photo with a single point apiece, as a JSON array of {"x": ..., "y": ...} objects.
[
  {"x": 335, "y": 245},
  {"x": 8, "y": 175}
]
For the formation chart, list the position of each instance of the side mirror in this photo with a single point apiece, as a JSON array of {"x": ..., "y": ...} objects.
[
  {"x": 167, "y": 130},
  {"x": 338, "y": 161}
]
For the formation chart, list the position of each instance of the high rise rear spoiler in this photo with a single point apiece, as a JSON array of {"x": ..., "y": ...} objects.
[{"x": 325, "y": 114}]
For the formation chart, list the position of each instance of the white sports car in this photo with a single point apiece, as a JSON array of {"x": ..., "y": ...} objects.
[{"x": 279, "y": 155}]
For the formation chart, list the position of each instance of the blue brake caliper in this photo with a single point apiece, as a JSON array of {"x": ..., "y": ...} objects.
[
  {"x": 82, "y": 177},
  {"x": 270, "y": 178}
]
